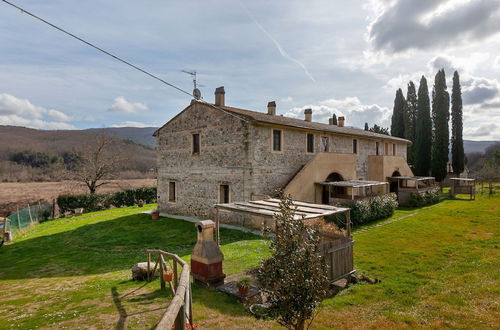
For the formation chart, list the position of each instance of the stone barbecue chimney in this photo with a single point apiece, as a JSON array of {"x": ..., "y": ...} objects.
[
  {"x": 308, "y": 114},
  {"x": 219, "y": 96},
  {"x": 206, "y": 258},
  {"x": 341, "y": 121},
  {"x": 271, "y": 108}
]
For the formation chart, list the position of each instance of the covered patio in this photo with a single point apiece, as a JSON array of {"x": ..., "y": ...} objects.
[
  {"x": 404, "y": 186},
  {"x": 336, "y": 246},
  {"x": 350, "y": 190}
]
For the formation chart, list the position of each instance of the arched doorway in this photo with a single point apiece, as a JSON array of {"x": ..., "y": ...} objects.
[
  {"x": 331, "y": 191},
  {"x": 393, "y": 186}
]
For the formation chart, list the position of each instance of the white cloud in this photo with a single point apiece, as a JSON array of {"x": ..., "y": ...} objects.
[
  {"x": 287, "y": 99},
  {"x": 131, "y": 124},
  {"x": 477, "y": 90},
  {"x": 356, "y": 113},
  {"x": 21, "y": 112},
  {"x": 121, "y": 105}
]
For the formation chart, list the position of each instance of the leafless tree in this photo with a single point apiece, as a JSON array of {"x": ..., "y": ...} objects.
[{"x": 100, "y": 161}]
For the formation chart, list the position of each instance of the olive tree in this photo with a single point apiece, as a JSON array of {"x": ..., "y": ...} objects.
[{"x": 294, "y": 277}]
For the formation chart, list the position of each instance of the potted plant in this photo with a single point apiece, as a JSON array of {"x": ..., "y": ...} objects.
[
  {"x": 140, "y": 203},
  {"x": 155, "y": 214},
  {"x": 243, "y": 286},
  {"x": 168, "y": 275}
]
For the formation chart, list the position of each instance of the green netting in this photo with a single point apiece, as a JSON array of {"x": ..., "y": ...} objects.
[{"x": 28, "y": 216}]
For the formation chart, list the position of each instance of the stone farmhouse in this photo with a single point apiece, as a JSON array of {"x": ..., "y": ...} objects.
[{"x": 213, "y": 153}]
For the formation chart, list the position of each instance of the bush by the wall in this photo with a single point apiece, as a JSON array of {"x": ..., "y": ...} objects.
[
  {"x": 98, "y": 202},
  {"x": 422, "y": 199},
  {"x": 368, "y": 210}
]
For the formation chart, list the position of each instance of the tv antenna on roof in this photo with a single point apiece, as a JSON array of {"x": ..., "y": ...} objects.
[{"x": 196, "y": 91}]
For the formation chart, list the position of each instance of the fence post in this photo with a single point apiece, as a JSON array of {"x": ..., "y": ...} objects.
[
  {"x": 149, "y": 267},
  {"x": 54, "y": 208},
  {"x": 29, "y": 211},
  {"x": 39, "y": 211},
  {"x": 162, "y": 281},
  {"x": 18, "y": 220},
  {"x": 176, "y": 279}
]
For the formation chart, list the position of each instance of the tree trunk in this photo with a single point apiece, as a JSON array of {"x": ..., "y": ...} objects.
[{"x": 300, "y": 325}]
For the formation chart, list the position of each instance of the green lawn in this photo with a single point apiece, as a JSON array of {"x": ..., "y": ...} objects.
[{"x": 438, "y": 268}]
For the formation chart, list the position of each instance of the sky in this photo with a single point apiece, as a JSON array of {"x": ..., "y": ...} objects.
[{"x": 346, "y": 57}]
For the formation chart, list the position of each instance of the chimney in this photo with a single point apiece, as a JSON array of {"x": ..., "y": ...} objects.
[
  {"x": 308, "y": 114},
  {"x": 271, "y": 108},
  {"x": 219, "y": 96},
  {"x": 330, "y": 121},
  {"x": 341, "y": 121}
]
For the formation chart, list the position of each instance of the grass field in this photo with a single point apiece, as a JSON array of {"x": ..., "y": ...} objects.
[{"x": 438, "y": 268}]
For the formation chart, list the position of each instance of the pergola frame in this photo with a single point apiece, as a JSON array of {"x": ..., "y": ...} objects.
[
  {"x": 429, "y": 180},
  {"x": 355, "y": 185},
  {"x": 456, "y": 187},
  {"x": 269, "y": 207}
]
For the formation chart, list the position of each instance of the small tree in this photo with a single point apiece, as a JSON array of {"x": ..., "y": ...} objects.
[
  {"x": 379, "y": 129},
  {"x": 334, "y": 119},
  {"x": 294, "y": 277},
  {"x": 366, "y": 127},
  {"x": 99, "y": 162}
]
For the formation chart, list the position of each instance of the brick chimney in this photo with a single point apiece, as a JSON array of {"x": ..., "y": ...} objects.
[
  {"x": 219, "y": 96},
  {"x": 271, "y": 108},
  {"x": 308, "y": 114},
  {"x": 341, "y": 121}
]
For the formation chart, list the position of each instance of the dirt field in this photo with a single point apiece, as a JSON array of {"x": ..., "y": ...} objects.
[{"x": 14, "y": 195}]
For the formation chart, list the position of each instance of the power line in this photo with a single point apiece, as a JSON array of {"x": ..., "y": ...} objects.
[{"x": 98, "y": 48}]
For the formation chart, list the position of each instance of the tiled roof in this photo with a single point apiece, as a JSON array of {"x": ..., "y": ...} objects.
[{"x": 293, "y": 122}]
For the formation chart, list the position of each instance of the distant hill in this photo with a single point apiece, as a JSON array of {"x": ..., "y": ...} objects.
[
  {"x": 477, "y": 146},
  {"x": 140, "y": 135},
  {"x": 133, "y": 142}
]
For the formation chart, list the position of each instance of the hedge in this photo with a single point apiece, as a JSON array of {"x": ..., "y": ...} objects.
[
  {"x": 97, "y": 202},
  {"x": 427, "y": 198},
  {"x": 368, "y": 210}
]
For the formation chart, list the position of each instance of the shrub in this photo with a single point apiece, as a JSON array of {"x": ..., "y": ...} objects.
[
  {"x": 96, "y": 202},
  {"x": 368, "y": 210},
  {"x": 422, "y": 199}
]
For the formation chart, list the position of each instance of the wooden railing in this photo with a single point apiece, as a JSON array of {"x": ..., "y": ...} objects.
[{"x": 180, "y": 309}]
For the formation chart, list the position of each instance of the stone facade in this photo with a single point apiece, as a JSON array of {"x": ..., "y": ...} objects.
[{"x": 237, "y": 151}]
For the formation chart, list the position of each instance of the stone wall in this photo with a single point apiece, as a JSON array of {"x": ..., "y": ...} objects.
[{"x": 223, "y": 159}]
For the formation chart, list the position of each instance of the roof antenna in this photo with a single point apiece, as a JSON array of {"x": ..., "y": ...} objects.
[{"x": 196, "y": 91}]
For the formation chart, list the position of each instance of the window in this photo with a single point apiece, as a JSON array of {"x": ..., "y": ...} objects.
[
  {"x": 377, "y": 146},
  {"x": 224, "y": 193},
  {"x": 276, "y": 140},
  {"x": 323, "y": 147},
  {"x": 354, "y": 146},
  {"x": 394, "y": 149},
  {"x": 196, "y": 144},
  {"x": 310, "y": 143},
  {"x": 171, "y": 192}
]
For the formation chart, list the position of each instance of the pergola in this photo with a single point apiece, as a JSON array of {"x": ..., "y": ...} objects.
[
  {"x": 463, "y": 186},
  {"x": 269, "y": 207},
  {"x": 414, "y": 182},
  {"x": 361, "y": 187}
]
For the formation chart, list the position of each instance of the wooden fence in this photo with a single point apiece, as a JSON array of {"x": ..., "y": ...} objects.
[
  {"x": 338, "y": 255},
  {"x": 180, "y": 309}
]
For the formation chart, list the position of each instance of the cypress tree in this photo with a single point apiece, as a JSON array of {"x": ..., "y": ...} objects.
[
  {"x": 410, "y": 120},
  {"x": 423, "y": 131},
  {"x": 457, "y": 143},
  {"x": 397, "y": 122},
  {"x": 366, "y": 127},
  {"x": 334, "y": 117},
  {"x": 440, "y": 133}
]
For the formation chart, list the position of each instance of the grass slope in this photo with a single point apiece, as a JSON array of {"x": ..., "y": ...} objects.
[{"x": 439, "y": 268}]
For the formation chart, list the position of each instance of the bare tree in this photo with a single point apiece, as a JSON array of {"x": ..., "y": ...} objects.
[{"x": 100, "y": 161}]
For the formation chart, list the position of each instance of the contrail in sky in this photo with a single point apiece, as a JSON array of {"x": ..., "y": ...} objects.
[{"x": 280, "y": 49}]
